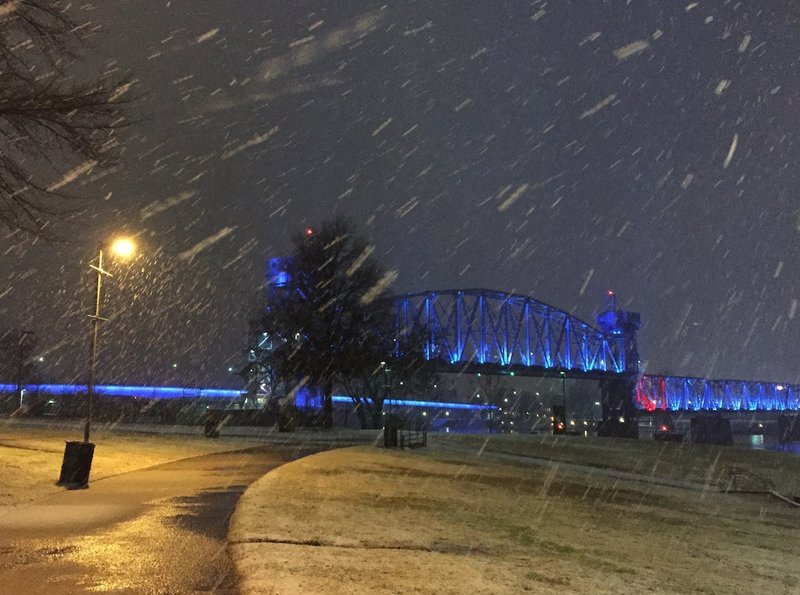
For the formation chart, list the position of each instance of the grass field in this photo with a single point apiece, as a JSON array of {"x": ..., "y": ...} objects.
[
  {"x": 458, "y": 517},
  {"x": 710, "y": 465}
]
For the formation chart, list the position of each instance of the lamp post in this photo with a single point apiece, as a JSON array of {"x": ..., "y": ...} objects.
[
  {"x": 124, "y": 248},
  {"x": 78, "y": 455}
]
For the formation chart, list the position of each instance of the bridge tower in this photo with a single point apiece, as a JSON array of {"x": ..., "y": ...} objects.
[
  {"x": 258, "y": 372},
  {"x": 619, "y": 394},
  {"x": 262, "y": 383},
  {"x": 277, "y": 274}
]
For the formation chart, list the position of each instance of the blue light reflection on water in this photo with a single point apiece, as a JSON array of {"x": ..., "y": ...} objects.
[
  {"x": 760, "y": 442},
  {"x": 788, "y": 447}
]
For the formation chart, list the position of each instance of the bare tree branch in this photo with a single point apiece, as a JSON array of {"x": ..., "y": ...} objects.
[{"x": 53, "y": 128}]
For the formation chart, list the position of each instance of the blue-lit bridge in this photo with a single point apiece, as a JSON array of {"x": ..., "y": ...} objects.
[
  {"x": 496, "y": 332},
  {"x": 678, "y": 393},
  {"x": 476, "y": 331},
  {"x": 491, "y": 331},
  {"x": 480, "y": 330}
]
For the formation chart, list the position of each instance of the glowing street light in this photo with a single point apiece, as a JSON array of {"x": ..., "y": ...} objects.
[
  {"x": 124, "y": 248},
  {"x": 78, "y": 455}
]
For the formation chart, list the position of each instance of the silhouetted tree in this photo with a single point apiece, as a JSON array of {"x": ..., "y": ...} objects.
[
  {"x": 391, "y": 370},
  {"x": 332, "y": 324},
  {"x": 53, "y": 127},
  {"x": 17, "y": 357}
]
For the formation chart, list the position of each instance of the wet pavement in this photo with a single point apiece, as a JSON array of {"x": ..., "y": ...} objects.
[{"x": 160, "y": 530}]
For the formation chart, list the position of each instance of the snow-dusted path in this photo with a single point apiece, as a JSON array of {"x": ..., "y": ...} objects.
[{"x": 158, "y": 530}]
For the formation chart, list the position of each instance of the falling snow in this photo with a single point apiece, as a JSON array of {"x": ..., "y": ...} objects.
[
  {"x": 598, "y": 106},
  {"x": 381, "y": 286},
  {"x": 380, "y": 128},
  {"x": 206, "y": 243},
  {"x": 631, "y": 49},
  {"x": 513, "y": 197},
  {"x": 731, "y": 151},
  {"x": 517, "y": 150},
  {"x": 210, "y": 34},
  {"x": 256, "y": 140},
  {"x": 72, "y": 175}
]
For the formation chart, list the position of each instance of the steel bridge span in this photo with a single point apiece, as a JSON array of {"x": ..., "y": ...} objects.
[
  {"x": 678, "y": 393},
  {"x": 475, "y": 329},
  {"x": 495, "y": 332},
  {"x": 482, "y": 330}
]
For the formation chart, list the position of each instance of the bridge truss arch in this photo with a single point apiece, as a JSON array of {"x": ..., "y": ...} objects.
[{"x": 500, "y": 331}]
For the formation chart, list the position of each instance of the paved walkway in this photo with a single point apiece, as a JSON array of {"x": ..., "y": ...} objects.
[{"x": 159, "y": 530}]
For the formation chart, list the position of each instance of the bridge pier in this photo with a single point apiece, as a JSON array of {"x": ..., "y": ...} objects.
[
  {"x": 789, "y": 428},
  {"x": 711, "y": 429},
  {"x": 620, "y": 416}
]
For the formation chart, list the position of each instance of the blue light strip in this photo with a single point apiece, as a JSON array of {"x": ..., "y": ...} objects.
[
  {"x": 178, "y": 392},
  {"x": 413, "y": 403},
  {"x": 117, "y": 390}
]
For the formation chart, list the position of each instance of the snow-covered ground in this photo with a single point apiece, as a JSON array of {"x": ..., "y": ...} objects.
[
  {"x": 469, "y": 515},
  {"x": 31, "y": 455}
]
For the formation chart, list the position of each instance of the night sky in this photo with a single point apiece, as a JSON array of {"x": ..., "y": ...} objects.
[{"x": 556, "y": 149}]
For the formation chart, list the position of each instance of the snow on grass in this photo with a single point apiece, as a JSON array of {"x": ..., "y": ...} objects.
[
  {"x": 448, "y": 519},
  {"x": 30, "y": 457}
]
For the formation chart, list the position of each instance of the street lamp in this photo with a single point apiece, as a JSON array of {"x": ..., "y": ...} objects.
[
  {"x": 78, "y": 455},
  {"x": 124, "y": 248}
]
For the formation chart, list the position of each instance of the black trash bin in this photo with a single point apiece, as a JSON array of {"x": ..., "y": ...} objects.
[
  {"x": 214, "y": 419},
  {"x": 76, "y": 465}
]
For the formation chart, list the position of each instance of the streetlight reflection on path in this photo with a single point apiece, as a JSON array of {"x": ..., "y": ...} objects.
[{"x": 78, "y": 456}]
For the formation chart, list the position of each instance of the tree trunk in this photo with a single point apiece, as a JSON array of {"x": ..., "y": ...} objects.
[
  {"x": 327, "y": 405},
  {"x": 377, "y": 413},
  {"x": 362, "y": 414}
]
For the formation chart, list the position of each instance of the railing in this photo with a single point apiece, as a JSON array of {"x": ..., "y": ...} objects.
[
  {"x": 413, "y": 438},
  {"x": 395, "y": 435}
]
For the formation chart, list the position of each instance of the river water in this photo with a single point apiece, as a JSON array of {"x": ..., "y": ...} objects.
[{"x": 760, "y": 442}]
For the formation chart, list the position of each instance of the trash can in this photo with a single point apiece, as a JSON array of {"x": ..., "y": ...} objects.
[
  {"x": 286, "y": 419},
  {"x": 76, "y": 465},
  {"x": 214, "y": 418}
]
